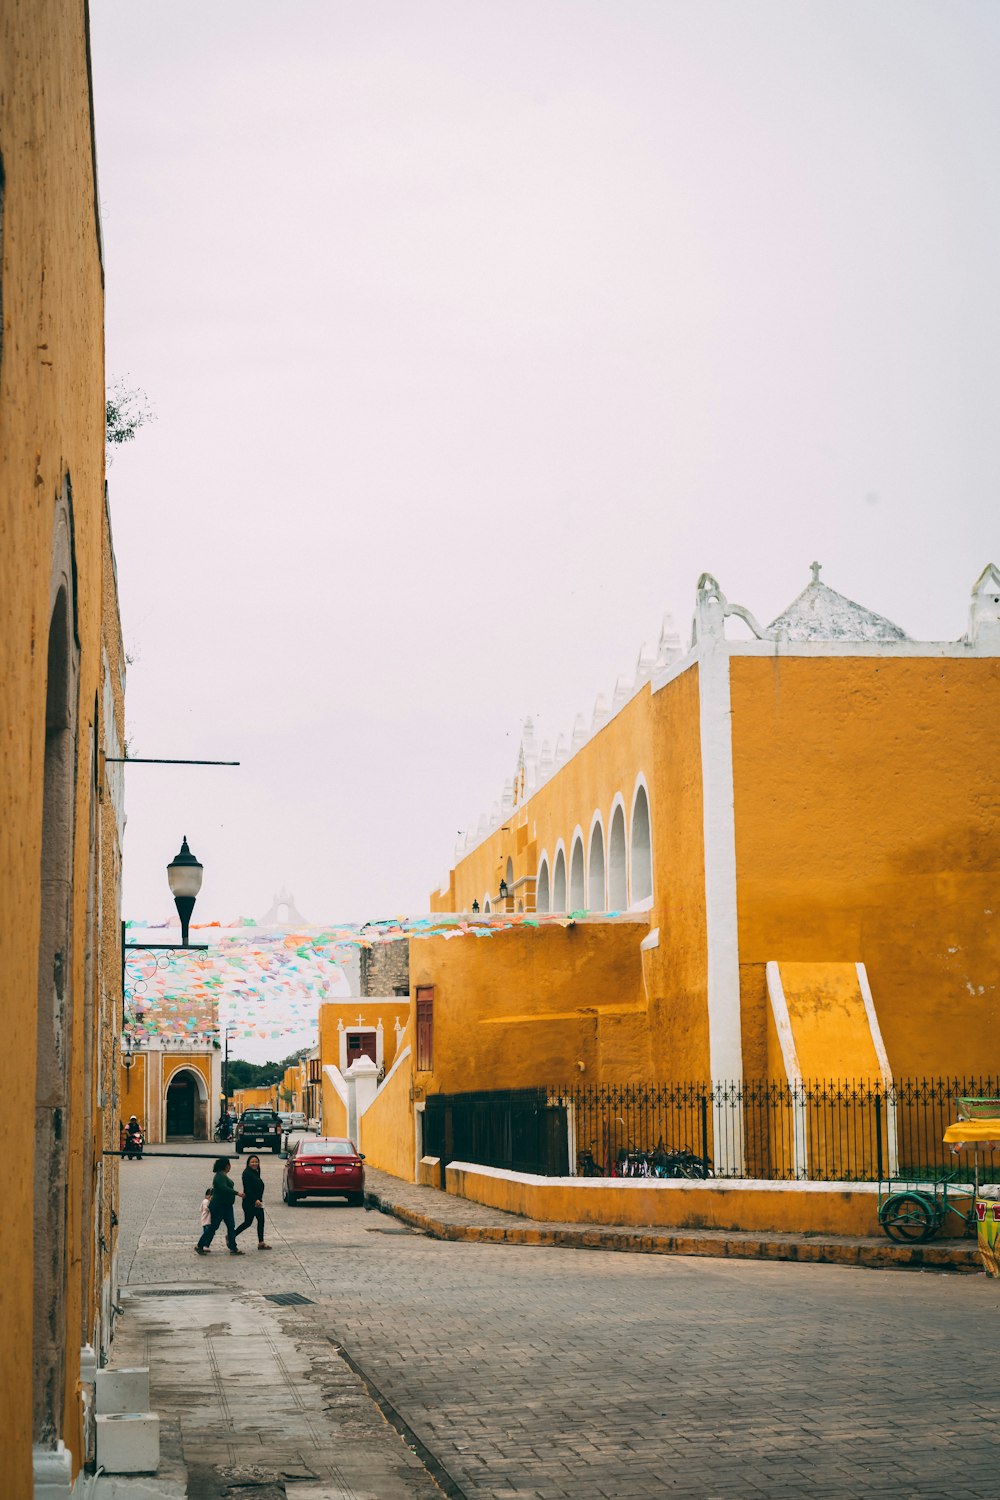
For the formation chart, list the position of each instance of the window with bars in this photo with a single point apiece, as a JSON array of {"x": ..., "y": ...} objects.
[{"x": 425, "y": 1029}]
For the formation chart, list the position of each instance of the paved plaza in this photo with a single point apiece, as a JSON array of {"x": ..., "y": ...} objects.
[{"x": 522, "y": 1372}]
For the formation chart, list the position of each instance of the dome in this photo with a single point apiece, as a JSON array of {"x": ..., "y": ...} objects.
[{"x": 821, "y": 614}]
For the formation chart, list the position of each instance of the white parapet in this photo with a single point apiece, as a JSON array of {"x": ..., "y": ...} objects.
[
  {"x": 122, "y": 1391},
  {"x": 128, "y": 1442}
]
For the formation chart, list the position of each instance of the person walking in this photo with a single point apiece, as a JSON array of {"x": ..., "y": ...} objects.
[
  {"x": 220, "y": 1209},
  {"x": 253, "y": 1200}
]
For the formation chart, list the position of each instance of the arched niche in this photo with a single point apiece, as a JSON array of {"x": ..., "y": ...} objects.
[
  {"x": 617, "y": 860},
  {"x": 577, "y": 881},
  {"x": 185, "y": 1105},
  {"x": 559, "y": 882},
  {"x": 543, "y": 900},
  {"x": 596, "y": 897},
  {"x": 641, "y": 852}
]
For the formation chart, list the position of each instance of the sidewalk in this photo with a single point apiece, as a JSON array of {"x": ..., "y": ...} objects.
[
  {"x": 448, "y": 1217},
  {"x": 265, "y": 1405}
]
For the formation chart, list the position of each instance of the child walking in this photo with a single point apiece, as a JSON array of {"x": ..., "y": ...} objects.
[
  {"x": 220, "y": 1209},
  {"x": 253, "y": 1200}
]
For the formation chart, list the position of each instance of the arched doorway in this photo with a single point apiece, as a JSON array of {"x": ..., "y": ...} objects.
[
  {"x": 186, "y": 1106},
  {"x": 50, "y": 1337}
]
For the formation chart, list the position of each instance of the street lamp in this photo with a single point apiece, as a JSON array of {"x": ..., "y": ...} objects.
[{"x": 184, "y": 878}]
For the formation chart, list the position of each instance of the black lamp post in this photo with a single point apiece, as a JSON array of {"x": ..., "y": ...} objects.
[
  {"x": 184, "y": 877},
  {"x": 503, "y": 890}
]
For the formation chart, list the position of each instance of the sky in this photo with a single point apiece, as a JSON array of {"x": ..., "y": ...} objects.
[{"x": 475, "y": 332}]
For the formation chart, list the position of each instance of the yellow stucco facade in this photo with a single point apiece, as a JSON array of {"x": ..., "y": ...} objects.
[
  {"x": 61, "y": 696},
  {"x": 824, "y": 794}
]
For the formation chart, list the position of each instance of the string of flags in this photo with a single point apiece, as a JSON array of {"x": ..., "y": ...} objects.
[{"x": 263, "y": 984}]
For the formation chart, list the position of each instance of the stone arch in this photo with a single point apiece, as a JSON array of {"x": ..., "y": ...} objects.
[
  {"x": 617, "y": 858},
  {"x": 641, "y": 846},
  {"x": 543, "y": 898},
  {"x": 577, "y": 878},
  {"x": 596, "y": 897},
  {"x": 54, "y": 1030},
  {"x": 559, "y": 879},
  {"x": 186, "y": 1105}
]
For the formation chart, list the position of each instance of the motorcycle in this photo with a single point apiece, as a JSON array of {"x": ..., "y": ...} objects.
[{"x": 132, "y": 1150}]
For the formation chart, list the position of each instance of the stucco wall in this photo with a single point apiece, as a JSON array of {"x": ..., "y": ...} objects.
[
  {"x": 783, "y": 1207},
  {"x": 868, "y": 828},
  {"x": 387, "y": 1130},
  {"x": 528, "y": 1006},
  {"x": 387, "y": 1009},
  {"x": 51, "y": 440}
]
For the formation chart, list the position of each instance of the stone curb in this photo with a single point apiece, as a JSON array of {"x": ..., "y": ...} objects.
[{"x": 873, "y": 1254}]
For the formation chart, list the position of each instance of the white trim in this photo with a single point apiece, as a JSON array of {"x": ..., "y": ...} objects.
[
  {"x": 399, "y": 1058},
  {"x": 338, "y": 1080},
  {"x": 548, "y": 882},
  {"x": 711, "y": 1185},
  {"x": 650, "y": 941},
  {"x": 793, "y": 1073},
  {"x": 892, "y": 1132},
  {"x": 722, "y": 932},
  {"x": 595, "y": 823}
]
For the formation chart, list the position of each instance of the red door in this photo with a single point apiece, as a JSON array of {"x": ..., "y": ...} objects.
[{"x": 360, "y": 1044}]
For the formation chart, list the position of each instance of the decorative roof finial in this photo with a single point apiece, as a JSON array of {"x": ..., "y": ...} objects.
[{"x": 815, "y": 571}]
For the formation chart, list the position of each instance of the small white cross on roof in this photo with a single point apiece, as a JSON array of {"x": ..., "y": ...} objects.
[{"x": 815, "y": 571}]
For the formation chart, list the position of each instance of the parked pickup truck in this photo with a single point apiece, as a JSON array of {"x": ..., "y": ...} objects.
[{"x": 259, "y": 1127}]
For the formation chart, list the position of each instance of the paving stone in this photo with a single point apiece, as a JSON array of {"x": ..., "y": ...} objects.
[{"x": 546, "y": 1373}]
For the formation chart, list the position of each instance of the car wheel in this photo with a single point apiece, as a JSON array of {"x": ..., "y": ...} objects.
[
  {"x": 239, "y": 1149},
  {"x": 356, "y": 1200},
  {"x": 276, "y": 1148}
]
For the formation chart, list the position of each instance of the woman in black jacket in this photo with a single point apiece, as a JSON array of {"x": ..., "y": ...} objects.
[{"x": 253, "y": 1200}]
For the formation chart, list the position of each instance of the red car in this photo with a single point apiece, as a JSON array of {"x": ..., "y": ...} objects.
[{"x": 319, "y": 1167}]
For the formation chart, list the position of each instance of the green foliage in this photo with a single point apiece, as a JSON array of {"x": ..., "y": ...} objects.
[
  {"x": 266, "y": 1075},
  {"x": 126, "y": 410}
]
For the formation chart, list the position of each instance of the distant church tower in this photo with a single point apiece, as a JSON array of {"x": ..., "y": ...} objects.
[{"x": 283, "y": 912}]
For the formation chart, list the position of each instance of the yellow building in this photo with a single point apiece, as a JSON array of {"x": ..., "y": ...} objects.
[
  {"x": 61, "y": 687},
  {"x": 800, "y": 832}
]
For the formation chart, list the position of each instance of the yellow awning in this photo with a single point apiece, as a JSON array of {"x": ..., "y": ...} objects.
[{"x": 971, "y": 1132}]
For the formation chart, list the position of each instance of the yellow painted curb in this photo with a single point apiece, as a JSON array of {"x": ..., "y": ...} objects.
[{"x": 869, "y": 1253}]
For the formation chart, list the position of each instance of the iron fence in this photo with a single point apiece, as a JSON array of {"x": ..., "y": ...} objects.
[
  {"x": 820, "y": 1130},
  {"x": 523, "y": 1130}
]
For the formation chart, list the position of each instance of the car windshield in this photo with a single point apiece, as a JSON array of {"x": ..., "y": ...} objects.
[
  {"x": 325, "y": 1148},
  {"x": 258, "y": 1114}
]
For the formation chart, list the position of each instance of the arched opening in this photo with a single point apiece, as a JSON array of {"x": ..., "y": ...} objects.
[
  {"x": 543, "y": 901},
  {"x": 186, "y": 1106},
  {"x": 559, "y": 882},
  {"x": 577, "y": 891},
  {"x": 642, "y": 855},
  {"x": 596, "y": 897},
  {"x": 509, "y": 877},
  {"x": 487, "y": 905},
  {"x": 617, "y": 862},
  {"x": 54, "y": 1023}
]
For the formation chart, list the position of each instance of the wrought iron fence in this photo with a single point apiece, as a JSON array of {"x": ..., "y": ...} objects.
[
  {"x": 819, "y": 1130},
  {"x": 524, "y": 1130}
]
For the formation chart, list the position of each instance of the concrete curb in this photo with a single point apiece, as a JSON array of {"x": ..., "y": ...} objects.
[{"x": 873, "y": 1254}]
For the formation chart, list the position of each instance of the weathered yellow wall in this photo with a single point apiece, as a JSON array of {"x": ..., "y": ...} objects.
[
  {"x": 334, "y": 1110},
  {"x": 529, "y": 1005},
  {"x": 386, "y": 1128},
  {"x": 52, "y": 400},
  {"x": 133, "y": 1097},
  {"x": 868, "y": 828},
  {"x": 829, "y": 1022},
  {"x": 676, "y": 972},
  {"x": 253, "y": 1099},
  {"x": 790, "y": 1208}
]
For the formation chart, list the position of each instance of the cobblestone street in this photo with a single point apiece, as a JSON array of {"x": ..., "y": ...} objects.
[{"x": 551, "y": 1373}]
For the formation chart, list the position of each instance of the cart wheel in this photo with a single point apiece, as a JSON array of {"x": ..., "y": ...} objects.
[{"x": 909, "y": 1217}]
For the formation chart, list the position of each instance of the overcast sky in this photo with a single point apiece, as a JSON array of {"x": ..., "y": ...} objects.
[{"x": 474, "y": 333}]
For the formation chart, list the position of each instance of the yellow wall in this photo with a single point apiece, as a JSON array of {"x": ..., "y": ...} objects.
[
  {"x": 334, "y": 1111},
  {"x": 790, "y": 1208},
  {"x": 387, "y": 1126},
  {"x": 868, "y": 828},
  {"x": 253, "y": 1099},
  {"x": 52, "y": 399},
  {"x": 529, "y": 1005}
]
